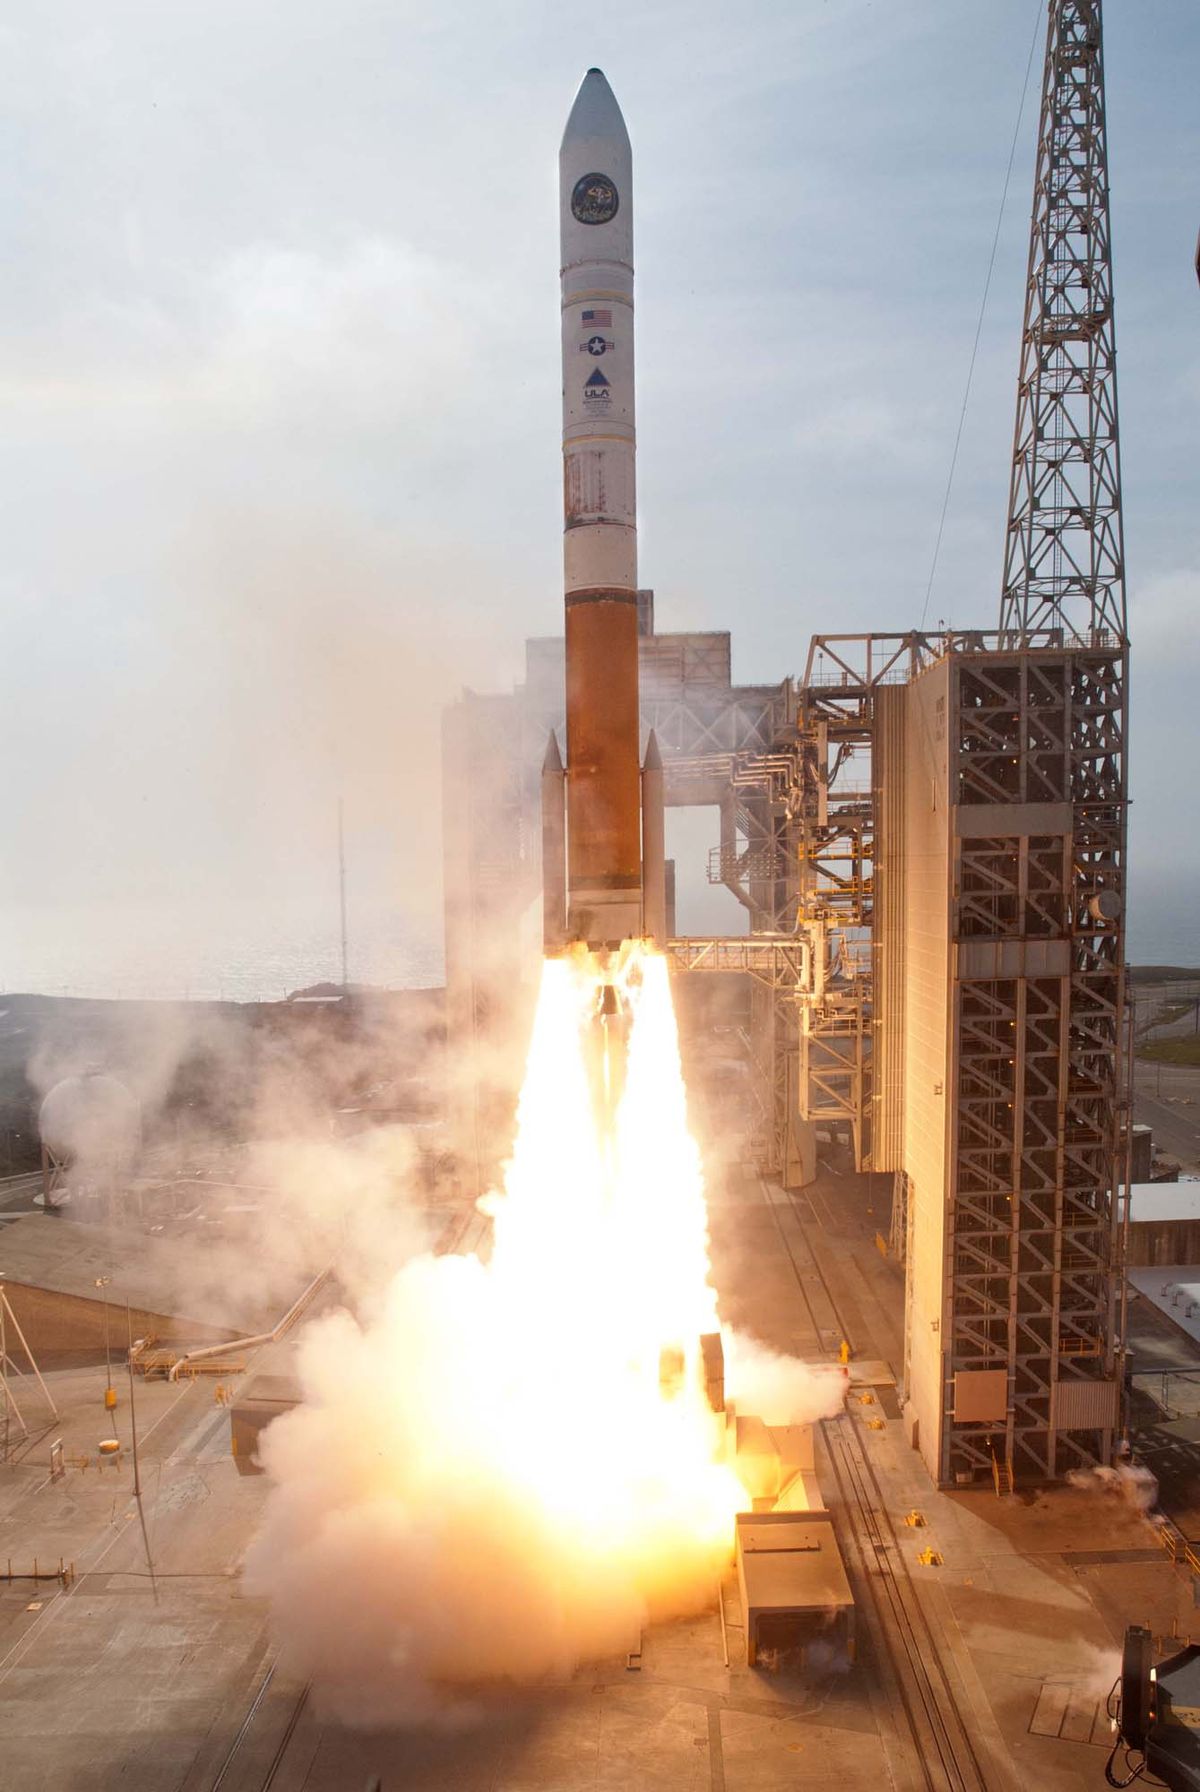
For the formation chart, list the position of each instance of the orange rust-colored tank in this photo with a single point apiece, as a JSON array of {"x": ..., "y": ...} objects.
[{"x": 604, "y": 836}]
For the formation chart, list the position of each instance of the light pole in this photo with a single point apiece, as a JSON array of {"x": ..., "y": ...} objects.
[{"x": 110, "y": 1392}]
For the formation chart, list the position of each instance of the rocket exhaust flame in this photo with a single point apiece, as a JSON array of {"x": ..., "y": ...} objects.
[
  {"x": 510, "y": 1467},
  {"x": 515, "y": 1465},
  {"x": 602, "y": 1228}
]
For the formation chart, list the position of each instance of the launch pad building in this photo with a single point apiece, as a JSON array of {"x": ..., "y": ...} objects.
[{"x": 926, "y": 833}]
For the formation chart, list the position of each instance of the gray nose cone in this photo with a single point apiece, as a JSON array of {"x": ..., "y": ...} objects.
[{"x": 595, "y": 114}]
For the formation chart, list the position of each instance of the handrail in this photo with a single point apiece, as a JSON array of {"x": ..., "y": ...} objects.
[{"x": 293, "y": 1313}]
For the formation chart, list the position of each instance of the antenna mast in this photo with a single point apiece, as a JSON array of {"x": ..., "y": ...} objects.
[
  {"x": 342, "y": 890},
  {"x": 1064, "y": 562}
]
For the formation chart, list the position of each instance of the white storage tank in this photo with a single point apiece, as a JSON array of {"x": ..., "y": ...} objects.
[{"x": 92, "y": 1121}]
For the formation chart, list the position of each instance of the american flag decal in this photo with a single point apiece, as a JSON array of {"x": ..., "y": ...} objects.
[{"x": 598, "y": 320}]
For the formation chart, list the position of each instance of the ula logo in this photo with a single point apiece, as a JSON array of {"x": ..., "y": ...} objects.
[{"x": 596, "y": 389}]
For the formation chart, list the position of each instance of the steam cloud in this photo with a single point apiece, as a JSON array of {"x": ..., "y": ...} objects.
[
  {"x": 278, "y": 1197},
  {"x": 482, "y": 1482},
  {"x": 780, "y": 1389},
  {"x": 1128, "y": 1481},
  {"x": 407, "y": 1556}
]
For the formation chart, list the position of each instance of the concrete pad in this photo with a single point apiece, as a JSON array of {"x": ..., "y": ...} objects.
[
  {"x": 102, "y": 1689},
  {"x": 1174, "y": 1289},
  {"x": 871, "y": 1373},
  {"x": 776, "y": 1754}
]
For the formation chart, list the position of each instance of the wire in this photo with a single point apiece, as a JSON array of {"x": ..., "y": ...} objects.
[
  {"x": 144, "y": 1574},
  {"x": 987, "y": 286},
  {"x": 1112, "y": 1703},
  {"x": 1135, "y": 1773}
]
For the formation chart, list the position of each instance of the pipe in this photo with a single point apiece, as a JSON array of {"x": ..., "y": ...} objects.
[
  {"x": 288, "y": 1320},
  {"x": 1121, "y": 1365}
]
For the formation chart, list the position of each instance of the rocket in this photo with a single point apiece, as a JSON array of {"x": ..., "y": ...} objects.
[{"x": 601, "y": 851}]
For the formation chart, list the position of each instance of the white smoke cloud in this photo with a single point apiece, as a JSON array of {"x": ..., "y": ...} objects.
[
  {"x": 485, "y": 1481},
  {"x": 235, "y": 1152},
  {"x": 405, "y": 1551},
  {"x": 780, "y": 1390},
  {"x": 1131, "y": 1482},
  {"x": 409, "y": 1557}
]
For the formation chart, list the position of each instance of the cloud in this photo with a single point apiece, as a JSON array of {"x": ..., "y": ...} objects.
[
  {"x": 375, "y": 335},
  {"x": 1163, "y": 616},
  {"x": 271, "y": 276}
]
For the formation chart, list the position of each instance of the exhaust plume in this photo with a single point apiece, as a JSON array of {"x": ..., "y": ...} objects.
[{"x": 493, "y": 1477}]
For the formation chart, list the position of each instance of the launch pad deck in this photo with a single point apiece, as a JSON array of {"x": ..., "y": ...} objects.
[{"x": 992, "y": 1665}]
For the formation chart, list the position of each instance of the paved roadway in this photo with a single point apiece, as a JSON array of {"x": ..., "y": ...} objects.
[
  {"x": 1150, "y": 999},
  {"x": 1167, "y": 1099}
]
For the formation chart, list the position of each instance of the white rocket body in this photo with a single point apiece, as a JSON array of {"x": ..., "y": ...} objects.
[
  {"x": 599, "y": 439},
  {"x": 604, "y": 854}
]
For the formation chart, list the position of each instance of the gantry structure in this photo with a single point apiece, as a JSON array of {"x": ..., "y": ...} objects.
[
  {"x": 1033, "y": 1230},
  {"x": 953, "y": 831},
  {"x": 927, "y": 834},
  {"x": 1064, "y": 564}
]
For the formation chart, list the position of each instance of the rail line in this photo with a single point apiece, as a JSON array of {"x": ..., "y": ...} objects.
[
  {"x": 284, "y": 1743},
  {"x": 943, "y": 1746},
  {"x": 899, "y": 1628}
]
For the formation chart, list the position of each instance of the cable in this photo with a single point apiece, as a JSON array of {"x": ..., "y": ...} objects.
[
  {"x": 1135, "y": 1774},
  {"x": 987, "y": 286}
]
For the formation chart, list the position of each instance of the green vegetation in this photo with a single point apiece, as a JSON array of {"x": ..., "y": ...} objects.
[{"x": 1171, "y": 1051}]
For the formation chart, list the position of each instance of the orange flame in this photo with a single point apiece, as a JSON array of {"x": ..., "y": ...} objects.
[{"x": 600, "y": 1265}]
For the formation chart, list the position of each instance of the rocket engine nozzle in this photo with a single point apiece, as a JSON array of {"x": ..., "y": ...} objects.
[
  {"x": 608, "y": 1001},
  {"x": 606, "y": 1052}
]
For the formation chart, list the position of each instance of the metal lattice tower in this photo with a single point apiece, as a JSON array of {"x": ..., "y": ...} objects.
[{"x": 1064, "y": 564}]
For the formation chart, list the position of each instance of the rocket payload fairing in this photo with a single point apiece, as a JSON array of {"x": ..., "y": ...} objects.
[{"x": 604, "y": 837}]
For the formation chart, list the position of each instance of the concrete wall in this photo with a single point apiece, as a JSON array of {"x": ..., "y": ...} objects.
[
  {"x": 57, "y": 1323},
  {"x": 925, "y": 868},
  {"x": 1164, "y": 1243}
]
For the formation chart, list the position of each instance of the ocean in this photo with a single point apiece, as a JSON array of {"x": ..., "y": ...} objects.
[
  {"x": 168, "y": 955},
  {"x": 261, "y": 955},
  {"x": 1164, "y": 917}
]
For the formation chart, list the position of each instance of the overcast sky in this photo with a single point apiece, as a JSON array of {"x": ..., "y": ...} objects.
[{"x": 280, "y": 362}]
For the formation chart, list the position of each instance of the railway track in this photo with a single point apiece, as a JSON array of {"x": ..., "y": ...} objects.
[
  {"x": 921, "y": 1686},
  {"x": 230, "y": 1763},
  {"x": 921, "y": 1690}
]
